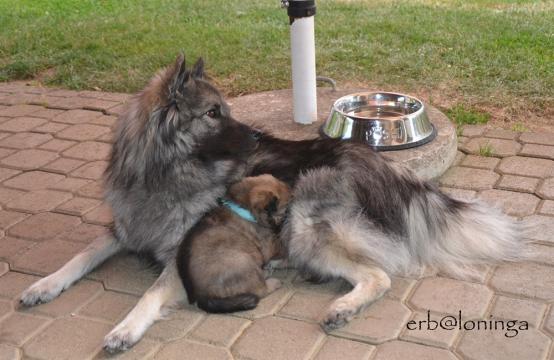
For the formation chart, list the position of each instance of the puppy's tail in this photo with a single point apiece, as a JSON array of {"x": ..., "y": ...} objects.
[
  {"x": 452, "y": 235},
  {"x": 229, "y": 304}
]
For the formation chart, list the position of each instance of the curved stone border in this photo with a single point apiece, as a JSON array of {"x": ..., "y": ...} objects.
[{"x": 272, "y": 111}]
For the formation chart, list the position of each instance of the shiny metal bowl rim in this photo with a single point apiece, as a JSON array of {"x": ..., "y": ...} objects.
[
  {"x": 407, "y": 145},
  {"x": 368, "y": 94}
]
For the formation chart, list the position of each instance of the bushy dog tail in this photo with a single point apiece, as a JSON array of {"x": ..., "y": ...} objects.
[
  {"x": 229, "y": 304},
  {"x": 453, "y": 236}
]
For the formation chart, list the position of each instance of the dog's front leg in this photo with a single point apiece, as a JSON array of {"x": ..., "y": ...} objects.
[
  {"x": 167, "y": 290},
  {"x": 51, "y": 286}
]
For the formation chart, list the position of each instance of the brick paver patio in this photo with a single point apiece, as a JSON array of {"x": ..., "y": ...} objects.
[{"x": 53, "y": 150}]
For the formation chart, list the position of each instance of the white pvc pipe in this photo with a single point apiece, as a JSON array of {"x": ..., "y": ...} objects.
[{"x": 302, "y": 41}]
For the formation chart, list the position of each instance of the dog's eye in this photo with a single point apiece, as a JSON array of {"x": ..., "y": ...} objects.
[{"x": 212, "y": 113}]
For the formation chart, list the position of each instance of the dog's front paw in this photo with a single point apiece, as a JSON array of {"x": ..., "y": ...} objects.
[
  {"x": 273, "y": 284},
  {"x": 339, "y": 315},
  {"x": 119, "y": 339},
  {"x": 40, "y": 292}
]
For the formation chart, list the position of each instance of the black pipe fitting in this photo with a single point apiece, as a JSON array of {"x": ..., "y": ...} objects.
[{"x": 301, "y": 8}]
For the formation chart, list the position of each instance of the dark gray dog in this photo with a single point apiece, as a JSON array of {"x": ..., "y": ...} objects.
[
  {"x": 353, "y": 215},
  {"x": 358, "y": 217},
  {"x": 176, "y": 151}
]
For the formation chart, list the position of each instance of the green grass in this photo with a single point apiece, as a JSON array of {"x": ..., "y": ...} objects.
[
  {"x": 463, "y": 115},
  {"x": 460, "y": 130},
  {"x": 476, "y": 50},
  {"x": 519, "y": 127},
  {"x": 486, "y": 150}
]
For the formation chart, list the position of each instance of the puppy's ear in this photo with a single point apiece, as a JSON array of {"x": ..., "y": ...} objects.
[
  {"x": 198, "y": 69},
  {"x": 239, "y": 192}
]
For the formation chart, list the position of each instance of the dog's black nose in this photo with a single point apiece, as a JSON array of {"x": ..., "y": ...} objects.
[{"x": 271, "y": 207}]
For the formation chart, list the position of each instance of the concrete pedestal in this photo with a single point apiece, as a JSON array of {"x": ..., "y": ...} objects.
[{"x": 272, "y": 111}]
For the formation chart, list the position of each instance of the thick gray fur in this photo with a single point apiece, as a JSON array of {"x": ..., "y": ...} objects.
[{"x": 163, "y": 173}]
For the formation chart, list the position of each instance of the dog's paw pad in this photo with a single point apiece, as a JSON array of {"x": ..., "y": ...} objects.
[{"x": 118, "y": 340}]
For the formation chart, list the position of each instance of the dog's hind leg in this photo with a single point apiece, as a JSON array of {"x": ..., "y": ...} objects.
[
  {"x": 369, "y": 282},
  {"x": 51, "y": 286},
  {"x": 338, "y": 250},
  {"x": 167, "y": 290}
]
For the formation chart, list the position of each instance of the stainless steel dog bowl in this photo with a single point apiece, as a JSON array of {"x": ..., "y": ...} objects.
[{"x": 383, "y": 120}]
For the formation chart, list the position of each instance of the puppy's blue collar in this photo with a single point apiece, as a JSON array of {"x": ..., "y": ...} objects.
[{"x": 237, "y": 209}]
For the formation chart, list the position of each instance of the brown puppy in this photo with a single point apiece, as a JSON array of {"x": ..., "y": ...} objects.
[{"x": 220, "y": 260}]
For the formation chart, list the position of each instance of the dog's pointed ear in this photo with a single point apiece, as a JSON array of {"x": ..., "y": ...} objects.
[
  {"x": 180, "y": 68},
  {"x": 198, "y": 69},
  {"x": 179, "y": 63},
  {"x": 179, "y": 75}
]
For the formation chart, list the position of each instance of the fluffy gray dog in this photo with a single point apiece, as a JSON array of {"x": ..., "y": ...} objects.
[
  {"x": 176, "y": 151},
  {"x": 353, "y": 214},
  {"x": 358, "y": 217}
]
